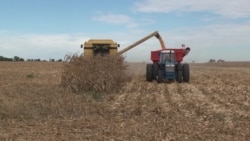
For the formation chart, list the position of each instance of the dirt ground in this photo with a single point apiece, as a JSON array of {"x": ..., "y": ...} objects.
[{"x": 214, "y": 105}]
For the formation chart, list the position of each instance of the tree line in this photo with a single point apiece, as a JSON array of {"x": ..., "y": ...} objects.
[
  {"x": 17, "y": 58},
  {"x": 214, "y": 61}
]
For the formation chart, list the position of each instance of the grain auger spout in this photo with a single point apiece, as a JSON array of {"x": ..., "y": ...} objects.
[{"x": 156, "y": 34}]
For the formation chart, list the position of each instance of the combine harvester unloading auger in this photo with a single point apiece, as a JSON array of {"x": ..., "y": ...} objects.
[
  {"x": 166, "y": 61},
  {"x": 103, "y": 47}
]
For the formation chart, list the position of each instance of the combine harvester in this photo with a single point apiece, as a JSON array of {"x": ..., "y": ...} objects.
[{"x": 166, "y": 61}]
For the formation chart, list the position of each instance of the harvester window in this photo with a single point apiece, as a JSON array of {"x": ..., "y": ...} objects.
[{"x": 101, "y": 49}]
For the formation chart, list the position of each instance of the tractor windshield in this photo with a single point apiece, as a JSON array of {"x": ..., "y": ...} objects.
[{"x": 168, "y": 57}]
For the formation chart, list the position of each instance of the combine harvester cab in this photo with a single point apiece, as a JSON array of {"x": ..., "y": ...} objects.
[
  {"x": 99, "y": 47},
  {"x": 167, "y": 66}
]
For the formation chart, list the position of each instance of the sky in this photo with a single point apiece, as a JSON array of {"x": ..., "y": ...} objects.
[{"x": 214, "y": 29}]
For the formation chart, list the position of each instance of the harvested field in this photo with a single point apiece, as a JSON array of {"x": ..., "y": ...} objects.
[{"x": 214, "y": 105}]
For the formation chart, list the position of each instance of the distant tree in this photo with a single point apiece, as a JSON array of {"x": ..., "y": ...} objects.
[
  {"x": 220, "y": 61},
  {"x": 2, "y": 58},
  {"x": 37, "y": 60},
  {"x": 17, "y": 58},
  {"x": 21, "y": 59},
  {"x": 29, "y": 60},
  {"x": 59, "y": 60},
  {"x": 52, "y": 60},
  {"x": 212, "y": 61}
]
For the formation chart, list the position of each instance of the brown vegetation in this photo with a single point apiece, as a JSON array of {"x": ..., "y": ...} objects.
[
  {"x": 95, "y": 74},
  {"x": 214, "y": 105}
]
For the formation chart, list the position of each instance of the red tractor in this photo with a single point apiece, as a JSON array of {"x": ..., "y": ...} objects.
[{"x": 167, "y": 65}]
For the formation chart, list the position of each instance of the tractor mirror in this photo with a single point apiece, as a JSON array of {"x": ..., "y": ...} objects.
[{"x": 81, "y": 45}]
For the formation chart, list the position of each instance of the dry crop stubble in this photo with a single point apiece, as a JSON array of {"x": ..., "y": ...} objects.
[{"x": 213, "y": 106}]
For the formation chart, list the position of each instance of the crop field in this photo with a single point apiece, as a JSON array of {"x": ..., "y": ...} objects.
[{"x": 214, "y": 105}]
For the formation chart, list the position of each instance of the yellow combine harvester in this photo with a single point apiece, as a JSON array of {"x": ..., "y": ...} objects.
[
  {"x": 103, "y": 47},
  {"x": 94, "y": 47}
]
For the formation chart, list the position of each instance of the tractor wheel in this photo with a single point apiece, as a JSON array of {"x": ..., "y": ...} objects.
[
  {"x": 186, "y": 74},
  {"x": 178, "y": 76},
  {"x": 178, "y": 67},
  {"x": 155, "y": 70},
  {"x": 149, "y": 72},
  {"x": 159, "y": 77}
]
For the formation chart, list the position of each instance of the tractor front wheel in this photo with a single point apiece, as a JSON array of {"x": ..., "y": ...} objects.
[
  {"x": 159, "y": 77},
  {"x": 179, "y": 76},
  {"x": 178, "y": 67}
]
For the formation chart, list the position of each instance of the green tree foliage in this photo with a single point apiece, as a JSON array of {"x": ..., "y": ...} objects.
[
  {"x": 15, "y": 58},
  {"x": 2, "y": 58}
]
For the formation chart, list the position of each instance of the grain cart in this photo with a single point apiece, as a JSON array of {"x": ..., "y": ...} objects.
[{"x": 167, "y": 65}]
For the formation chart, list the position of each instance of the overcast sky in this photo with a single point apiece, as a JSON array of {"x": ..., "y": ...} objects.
[{"x": 218, "y": 29}]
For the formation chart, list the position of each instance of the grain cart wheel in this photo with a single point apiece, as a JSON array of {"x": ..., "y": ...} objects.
[
  {"x": 155, "y": 70},
  {"x": 149, "y": 72},
  {"x": 186, "y": 74},
  {"x": 178, "y": 76},
  {"x": 159, "y": 77}
]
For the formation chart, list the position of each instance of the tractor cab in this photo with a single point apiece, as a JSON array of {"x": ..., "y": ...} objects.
[
  {"x": 167, "y": 57},
  {"x": 167, "y": 64}
]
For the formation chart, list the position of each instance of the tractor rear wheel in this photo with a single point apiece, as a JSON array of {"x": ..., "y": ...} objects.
[
  {"x": 186, "y": 73},
  {"x": 159, "y": 77},
  {"x": 178, "y": 76},
  {"x": 149, "y": 72}
]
